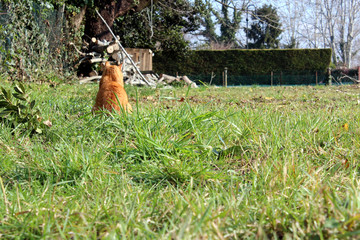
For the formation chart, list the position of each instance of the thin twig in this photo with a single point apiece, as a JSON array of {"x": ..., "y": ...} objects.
[{"x": 81, "y": 53}]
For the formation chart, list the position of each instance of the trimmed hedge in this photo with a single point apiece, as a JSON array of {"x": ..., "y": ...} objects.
[{"x": 242, "y": 62}]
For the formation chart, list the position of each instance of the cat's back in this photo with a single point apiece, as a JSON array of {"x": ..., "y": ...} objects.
[{"x": 111, "y": 90}]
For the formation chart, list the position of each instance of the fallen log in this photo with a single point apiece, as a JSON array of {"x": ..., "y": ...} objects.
[
  {"x": 99, "y": 42},
  {"x": 189, "y": 82},
  {"x": 112, "y": 48},
  {"x": 90, "y": 79},
  {"x": 99, "y": 46},
  {"x": 117, "y": 56},
  {"x": 97, "y": 60},
  {"x": 170, "y": 79}
]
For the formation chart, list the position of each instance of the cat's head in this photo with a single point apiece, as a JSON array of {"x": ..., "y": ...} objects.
[{"x": 113, "y": 71}]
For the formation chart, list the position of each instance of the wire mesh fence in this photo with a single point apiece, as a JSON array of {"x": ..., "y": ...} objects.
[
  {"x": 32, "y": 37},
  {"x": 278, "y": 78}
]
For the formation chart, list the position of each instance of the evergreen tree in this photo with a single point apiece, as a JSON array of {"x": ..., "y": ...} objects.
[
  {"x": 265, "y": 29},
  {"x": 229, "y": 26},
  {"x": 207, "y": 21}
]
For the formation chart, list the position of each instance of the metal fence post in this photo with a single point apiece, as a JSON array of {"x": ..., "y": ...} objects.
[
  {"x": 225, "y": 78},
  {"x": 329, "y": 75}
]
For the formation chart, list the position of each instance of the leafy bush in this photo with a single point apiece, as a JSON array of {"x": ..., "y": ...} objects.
[
  {"x": 29, "y": 40},
  {"x": 19, "y": 110}
]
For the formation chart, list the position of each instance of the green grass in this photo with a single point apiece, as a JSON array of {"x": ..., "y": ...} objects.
[{"x": 208, "y": 163}]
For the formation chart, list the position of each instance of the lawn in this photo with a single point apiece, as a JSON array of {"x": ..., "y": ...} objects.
[{"x": 210, "y": 163}]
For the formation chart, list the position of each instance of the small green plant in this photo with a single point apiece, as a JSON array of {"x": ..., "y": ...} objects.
[{"x": 17, "y": 109}]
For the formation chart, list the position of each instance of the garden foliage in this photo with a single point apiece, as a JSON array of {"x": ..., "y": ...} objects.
[
  {"x": 30, "y": 40},
  {"x": 18, "y": 110}
]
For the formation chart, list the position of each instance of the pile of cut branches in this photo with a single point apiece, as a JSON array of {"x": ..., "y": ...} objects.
[{"x": 98, "y": 51}]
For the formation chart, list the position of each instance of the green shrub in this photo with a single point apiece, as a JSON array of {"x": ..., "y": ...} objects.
[{"x": 18, "y": 110}]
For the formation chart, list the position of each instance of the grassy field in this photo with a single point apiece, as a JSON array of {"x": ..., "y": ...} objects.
[{"x": 208, "y": 163}]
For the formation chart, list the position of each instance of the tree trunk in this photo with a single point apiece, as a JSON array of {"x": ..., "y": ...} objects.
[
  {"x": 110, "y": 10},
  {"x": 75, "y": 21}
]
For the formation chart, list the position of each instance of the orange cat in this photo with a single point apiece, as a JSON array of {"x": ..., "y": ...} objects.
[{"x": 112, "y": 85}]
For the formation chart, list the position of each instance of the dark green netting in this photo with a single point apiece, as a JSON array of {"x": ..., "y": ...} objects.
[{"x": 275, "y": 79}]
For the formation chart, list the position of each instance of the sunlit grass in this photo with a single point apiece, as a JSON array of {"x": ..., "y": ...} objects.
[{"x": 211, "y": 163}]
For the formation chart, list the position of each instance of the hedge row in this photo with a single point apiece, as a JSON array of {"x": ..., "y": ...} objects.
[{"x": 240, "y": 62}]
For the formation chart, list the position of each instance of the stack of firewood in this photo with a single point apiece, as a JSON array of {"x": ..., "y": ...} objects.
[{"x": 101, "y": 51}]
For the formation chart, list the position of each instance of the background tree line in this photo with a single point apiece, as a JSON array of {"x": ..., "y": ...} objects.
[{"x": 39, "y": 31}]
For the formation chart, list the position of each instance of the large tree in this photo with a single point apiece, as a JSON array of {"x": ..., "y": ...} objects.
[
  {"x": 324, "y": 24},
  {"x": 341, "y": 17},
  {"x": 229, "y": 26},
  {"x": 228, "y": 19},
  {"x": 109, "y": 9},
  {"x": 159, "y": 27},
  {"x": 265, "y": 29}
]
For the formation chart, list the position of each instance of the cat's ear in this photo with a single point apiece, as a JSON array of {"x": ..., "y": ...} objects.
[
  {"x": 107, "y": 64},
  {"x": 103, "y": 65},
  {"x": 119, "y": 64}
]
